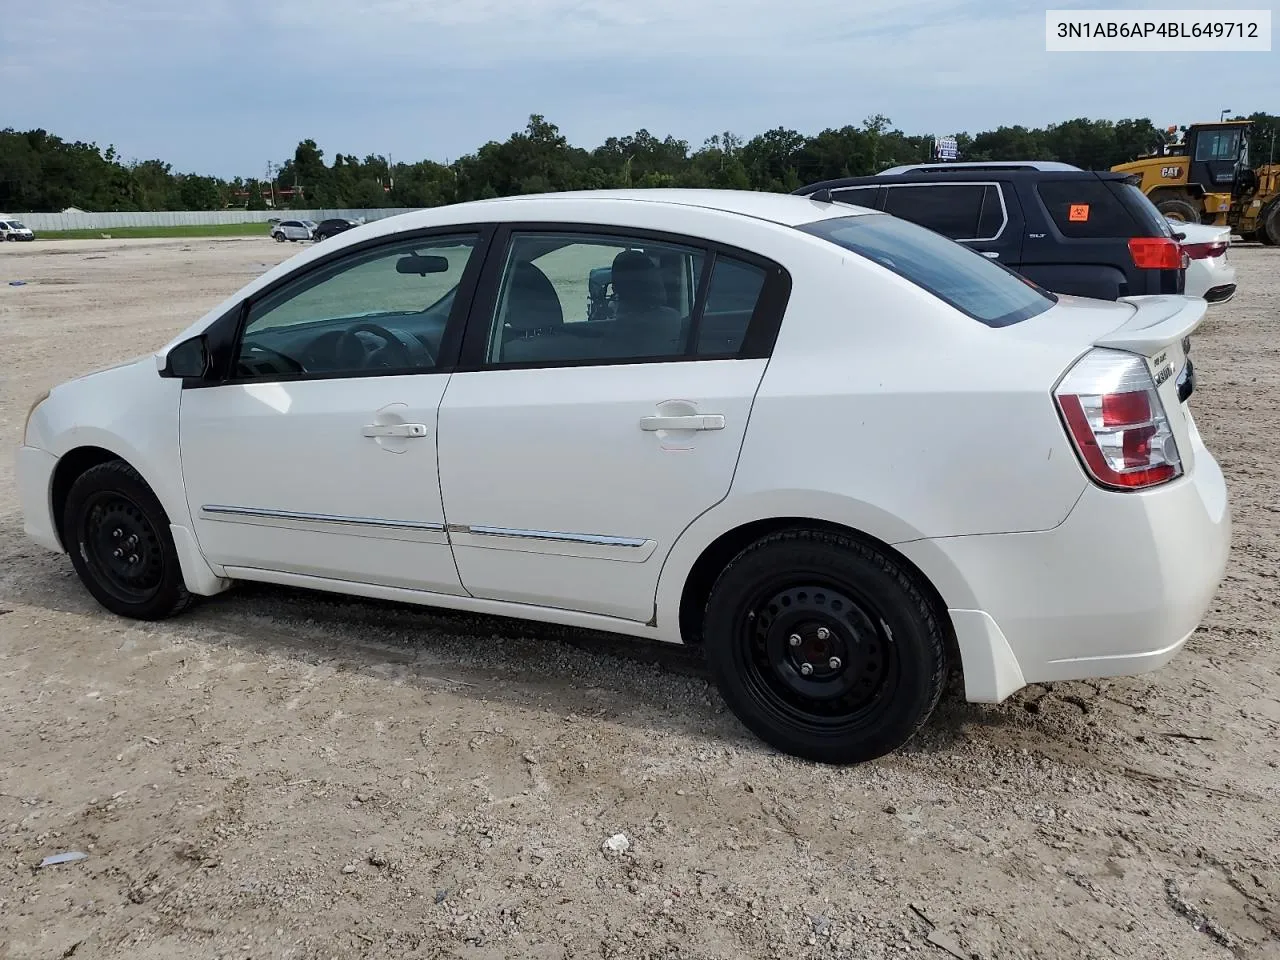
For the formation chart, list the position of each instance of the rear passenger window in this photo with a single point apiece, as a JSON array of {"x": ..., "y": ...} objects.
[
  {"x": 862, "y": 196},
  {"x": 1085, "y": 209},
  {"x": 731, "y": 300},
  {"x": 992, "y": 218},
  {"x": 955, "y": 210}
]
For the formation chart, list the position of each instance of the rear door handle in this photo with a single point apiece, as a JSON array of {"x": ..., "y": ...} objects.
[
  {"x": 395, "y": 430},
  {"x": 700, "y": 421},
  {"x": 991, "y": 254}
]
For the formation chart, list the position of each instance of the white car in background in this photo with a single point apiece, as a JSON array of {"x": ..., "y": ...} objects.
[
  {"x": 1209, "y": 274},
  {"x": 838, "y": 451},
  {"x": 291, "y": 230}
]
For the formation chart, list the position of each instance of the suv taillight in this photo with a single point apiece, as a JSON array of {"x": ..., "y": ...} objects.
[
  {"x": 1199, "y": 251},
  {"x": 1157, "y": 253},
  {"x": 1117, "y": 422}
]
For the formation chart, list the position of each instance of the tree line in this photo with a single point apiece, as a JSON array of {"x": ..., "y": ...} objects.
[{"x": 42, "y": 172}]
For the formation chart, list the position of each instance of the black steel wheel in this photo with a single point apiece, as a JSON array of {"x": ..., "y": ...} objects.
[
  {"x": 824, "y": 646},
  {"x": 117, "y": 534}
]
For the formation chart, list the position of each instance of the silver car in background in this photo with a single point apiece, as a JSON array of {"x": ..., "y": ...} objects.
[{"x": 291, "y": 230}]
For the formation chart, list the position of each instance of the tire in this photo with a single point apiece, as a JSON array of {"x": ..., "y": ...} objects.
[
  {"x": 1179, "y": 210},
  {"x": 876, "y": 675},
  {"x": 279, "y": 237},
  {"x": 110, "y": 508},
  {"x": 1269, "y": 224}
]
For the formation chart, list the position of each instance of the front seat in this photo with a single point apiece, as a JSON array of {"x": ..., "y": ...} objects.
[
  {"x": 532, "y": 314},
  {"x": 646, "y": 325}
]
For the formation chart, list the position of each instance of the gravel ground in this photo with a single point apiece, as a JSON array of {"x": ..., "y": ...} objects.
[{"x": 285, "y": 775}]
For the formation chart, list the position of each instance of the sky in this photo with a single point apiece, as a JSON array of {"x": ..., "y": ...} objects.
[{"x": 224, "y": 86}]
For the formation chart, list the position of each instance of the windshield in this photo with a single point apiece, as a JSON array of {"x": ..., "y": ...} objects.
[
  {"x": 16, "y": 225},
  {"x": 955, "y": 274}
]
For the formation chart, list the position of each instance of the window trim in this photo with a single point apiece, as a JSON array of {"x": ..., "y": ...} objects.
[
  {"x": 1004, "y": 207},
  {"x": 227, "y": 332},
  {"x": 757, "y": 342}
]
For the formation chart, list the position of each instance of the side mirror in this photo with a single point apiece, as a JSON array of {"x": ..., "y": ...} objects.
[
  {"x": 422, "y": 265},
  {"x": 189, "y": 360}
]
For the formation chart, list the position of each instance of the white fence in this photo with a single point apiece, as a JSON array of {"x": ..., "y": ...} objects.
[{"x": 186, "y": 218}]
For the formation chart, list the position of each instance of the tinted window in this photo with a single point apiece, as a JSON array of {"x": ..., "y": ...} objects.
[
  {"x": 376, "y": 311},
  {"x": 952, "y": 209},
  {"x": 992, "y": 217},
  {"x": 965, "y": 279},
  {"x": 731, "y": 300},
  {"x": 582, "y": 298},
  {"x": 862, "y": 196},
  {"x": 1086, "y": 208}
]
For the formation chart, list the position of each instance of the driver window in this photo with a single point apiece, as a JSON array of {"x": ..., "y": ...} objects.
[{"x": 378, "y": 311}]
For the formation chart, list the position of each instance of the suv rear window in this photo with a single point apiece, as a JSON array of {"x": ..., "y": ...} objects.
[
  {"x": 1097, "y": 209},
  {"x": 955, "y": 274}
]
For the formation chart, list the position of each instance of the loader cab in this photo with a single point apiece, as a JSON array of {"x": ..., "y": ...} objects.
[{"x": 1216, "y": 154}]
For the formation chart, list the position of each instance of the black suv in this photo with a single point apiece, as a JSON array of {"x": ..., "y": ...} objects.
[{"x": 1073, "y": 231}]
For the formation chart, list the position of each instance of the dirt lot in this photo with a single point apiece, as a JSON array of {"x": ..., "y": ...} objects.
[{"x": 283, "y": 775}]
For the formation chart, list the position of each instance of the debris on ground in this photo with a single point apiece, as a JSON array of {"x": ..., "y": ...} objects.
[
  {"x": 618, "y": 844},
  {"x": 72, "y": 856}
]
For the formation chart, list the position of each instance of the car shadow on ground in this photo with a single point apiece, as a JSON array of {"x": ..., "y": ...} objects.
[{"x": 568, "y": 670}]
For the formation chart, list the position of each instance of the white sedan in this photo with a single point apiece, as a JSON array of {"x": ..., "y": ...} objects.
[
  {"x": 841, "y": 453},
  {"x": 1209, "y": 273}
]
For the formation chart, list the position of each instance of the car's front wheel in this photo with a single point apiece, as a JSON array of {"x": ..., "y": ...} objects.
[
  {"x": 824, "y": 646},
  {"x": 117, "y": 534}
]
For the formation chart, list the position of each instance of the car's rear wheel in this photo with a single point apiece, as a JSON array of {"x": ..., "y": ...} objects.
[
  {"x": 117, "y": 534},
  {"x": 824, "y": 646}
]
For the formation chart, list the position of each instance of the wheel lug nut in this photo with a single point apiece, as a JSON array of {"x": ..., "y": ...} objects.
[
  {"x": 133, "y": 558},
  {"x": 806, "y": 669},
  {"x": 824, "y": 633},
  {"x": 117, "y": 552},
  {"x": 834, "y": 663},
  {"x": 117, "y": 533},
  {"x": 794, "y": 640}
]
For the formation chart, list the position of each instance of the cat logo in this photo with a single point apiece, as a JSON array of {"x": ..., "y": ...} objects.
[{"x": 1171, "y": 173}]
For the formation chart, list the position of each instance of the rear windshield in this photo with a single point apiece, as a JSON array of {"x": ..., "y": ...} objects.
[
  {"x": 968, "y": 281},
  {"x": 1143, "y": 210}
]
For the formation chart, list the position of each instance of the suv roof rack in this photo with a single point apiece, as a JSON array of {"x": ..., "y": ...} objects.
[{"x": 972, "y": 165}]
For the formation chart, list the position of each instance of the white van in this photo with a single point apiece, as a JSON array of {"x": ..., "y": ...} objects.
[{"x": 14, "y": 230}]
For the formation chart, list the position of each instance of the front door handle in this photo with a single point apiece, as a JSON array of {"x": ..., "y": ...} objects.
[
  {"x": 700, "y": 421},
  {"x": 991, "y": 254},
  {"x": 395, "y": 430}
]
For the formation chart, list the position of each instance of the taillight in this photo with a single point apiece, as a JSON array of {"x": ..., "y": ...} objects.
[
  {"x": 1199, "y": 251},
  {"x": 1117, "y": 422},
  {"x": 1157, "y": 253}
]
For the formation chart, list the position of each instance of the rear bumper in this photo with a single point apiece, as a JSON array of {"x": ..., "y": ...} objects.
[
  {"x": 35, "y": 482},
  {"x": 1115, "y": 590}
]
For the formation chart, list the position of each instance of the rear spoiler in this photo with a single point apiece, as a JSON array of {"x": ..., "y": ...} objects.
[{"x": 1157, "y": 322}]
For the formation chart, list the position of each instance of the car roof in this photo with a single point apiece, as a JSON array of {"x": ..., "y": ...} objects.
[
  {"x": 781, "y": 208},
  {"x": 969, "y": 174},
  {"x": 1042, "y": 165}
]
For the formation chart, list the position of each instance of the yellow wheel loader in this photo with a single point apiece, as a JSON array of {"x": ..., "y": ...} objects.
[{"x": 1195, "y": 179}]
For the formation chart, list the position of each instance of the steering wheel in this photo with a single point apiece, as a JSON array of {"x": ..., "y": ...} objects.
[{"x": 398, "y": 349}]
